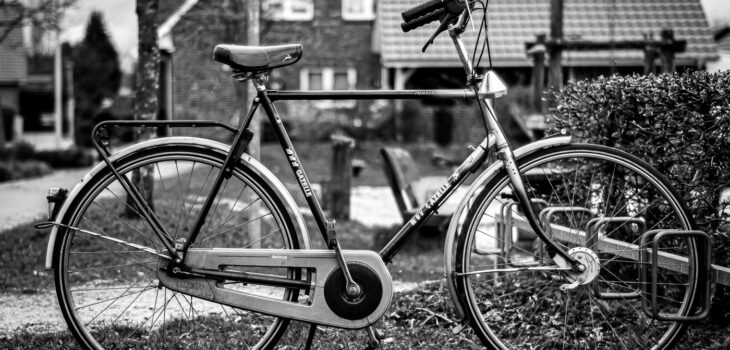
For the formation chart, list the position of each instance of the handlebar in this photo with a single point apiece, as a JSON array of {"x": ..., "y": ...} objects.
[
  {"x": 430, "y": 11},
  {"x": 422, "y": 9},
  {"x": 422, "y": 20},
  {"x": 446, "y": 11}
]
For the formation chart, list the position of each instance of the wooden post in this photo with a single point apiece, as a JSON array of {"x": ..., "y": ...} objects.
[
  {"x": 400, "y": 79},
  {"x": 341, "y": 176},
  {"x": 667, "y": 51},
  {"x": 649, "y": 56},
  {"x": 2, "y": 126},
  {"x": 555, "y": 70},
  {"x": 538, "y": 71},
  {"x": 70, "y": 100}
]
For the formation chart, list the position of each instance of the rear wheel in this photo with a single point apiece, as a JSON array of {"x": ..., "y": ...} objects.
[
  {"x": 109, "y": 291},
  {"x": 596, "y": 202}
]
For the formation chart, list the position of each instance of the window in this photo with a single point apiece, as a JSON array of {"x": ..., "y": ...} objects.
[
  {"x": 340, "y": 81},
  {"x": 329, "y": 79},
  {"x": 358, "y": 10},
  {"x": 289, "y": 10},
  {"x": 315, "y": 80}
]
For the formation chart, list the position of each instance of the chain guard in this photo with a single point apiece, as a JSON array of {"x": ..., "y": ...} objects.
[{"x": 316, "y": 309}]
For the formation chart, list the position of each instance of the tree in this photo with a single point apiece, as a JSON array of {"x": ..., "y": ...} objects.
[
  {"x": 42, "y": 15},
  {"x": 96, "y": 73},
  {"x": 146, "y": 105}
]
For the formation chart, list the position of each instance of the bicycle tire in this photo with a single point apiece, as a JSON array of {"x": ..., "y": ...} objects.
[
  {"x": 525, "y": 309},
  {"x": 131, "y": 323}
]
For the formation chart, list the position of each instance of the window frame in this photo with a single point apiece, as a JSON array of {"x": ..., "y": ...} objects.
[
  {"x": 328, "y": 82},
  {"x": 367, "y": 15},
  {"x": 286, "y": 13}
]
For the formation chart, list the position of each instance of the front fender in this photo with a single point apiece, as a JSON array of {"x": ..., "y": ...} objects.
[
  {"x": 452, "y": 234},
  {"x": 272, "y": 181}
]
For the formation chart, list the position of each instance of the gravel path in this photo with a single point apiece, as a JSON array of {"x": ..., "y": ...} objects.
[
  {"x": 25, "y": 200},
  {"x": 40, "y": 312}
]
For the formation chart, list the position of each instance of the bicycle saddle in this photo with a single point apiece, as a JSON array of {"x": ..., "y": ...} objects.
[{"x": 257, "y": 58}]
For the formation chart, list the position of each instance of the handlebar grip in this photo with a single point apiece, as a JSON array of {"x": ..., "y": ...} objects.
[
  {"x": 422, "y": 21},
  {"x": 422, "y": 9}
]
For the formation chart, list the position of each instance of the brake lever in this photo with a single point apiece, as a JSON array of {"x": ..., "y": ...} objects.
[{"x": 441, "y": 28}]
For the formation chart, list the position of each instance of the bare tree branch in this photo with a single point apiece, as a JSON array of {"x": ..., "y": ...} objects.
[{"x": 44, "y": 15}]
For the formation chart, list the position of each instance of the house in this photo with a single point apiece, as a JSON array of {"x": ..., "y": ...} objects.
[
  {"x": 513, "y": 23},
  {"x": 337, "y": 37},
  {"x": 722, "y": 38},
  {"x": 27, "y": 91},
  {"x": 13, "y": 72},
  {"x": 359, "y": 44}
]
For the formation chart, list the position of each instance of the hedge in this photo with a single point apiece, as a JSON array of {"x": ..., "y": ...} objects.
[{"x": 679, "y": 123}]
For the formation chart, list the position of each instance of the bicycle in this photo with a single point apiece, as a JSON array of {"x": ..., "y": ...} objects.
[{"x": 176, "y": 232}]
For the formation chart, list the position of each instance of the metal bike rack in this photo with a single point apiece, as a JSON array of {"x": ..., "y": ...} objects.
[
  {"x": 593, "y": 228},
  {"x": 546, "y": 216},
  {"x": 508, "y": 225},
  {"x": 650, "y": 259}
]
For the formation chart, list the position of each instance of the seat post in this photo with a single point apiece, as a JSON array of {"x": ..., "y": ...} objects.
[{"x": 259, "y": 80}]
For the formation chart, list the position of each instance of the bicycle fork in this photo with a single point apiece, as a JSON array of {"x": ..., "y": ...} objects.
[{"x": 504, "y": 153}]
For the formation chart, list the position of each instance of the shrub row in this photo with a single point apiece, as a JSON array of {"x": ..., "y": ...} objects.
[
  {"x": 66, "y": 158},
  {"x": 678, "y": 123},
  {"x": 14, "y": 170}
]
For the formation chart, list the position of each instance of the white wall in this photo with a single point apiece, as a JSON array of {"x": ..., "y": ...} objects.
[{"x": 723, "y": 63}]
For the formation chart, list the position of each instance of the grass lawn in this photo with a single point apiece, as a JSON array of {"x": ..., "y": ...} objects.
[{"x": 420, "y": 319}]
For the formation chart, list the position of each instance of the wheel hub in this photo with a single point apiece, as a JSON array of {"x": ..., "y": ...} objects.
[{"x": 591, "y": 268}]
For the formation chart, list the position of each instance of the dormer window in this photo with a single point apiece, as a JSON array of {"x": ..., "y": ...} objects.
[
  {"x": 289, "y": 10},
  {"x": 358, "y": 10}
]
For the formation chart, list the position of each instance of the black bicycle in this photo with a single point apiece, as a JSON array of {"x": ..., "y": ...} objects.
[{"x": 187, "y": 242}]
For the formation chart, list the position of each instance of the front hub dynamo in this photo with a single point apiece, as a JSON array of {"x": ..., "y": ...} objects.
[
  {"x": 592, "y": 267},
  {"x": 353, "y": 308}
]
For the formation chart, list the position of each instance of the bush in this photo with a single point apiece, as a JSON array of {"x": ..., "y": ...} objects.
[
  {"x": 14, "y": 170},
  {"x": 23, "y": 149},
  {"x": 67, "y": 158},
  {"x": 678, "y": 123}
]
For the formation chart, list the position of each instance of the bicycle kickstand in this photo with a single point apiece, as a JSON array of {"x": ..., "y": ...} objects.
[
  {"x": 373, "y": 338},
  {"x": 310, "y": 336}
]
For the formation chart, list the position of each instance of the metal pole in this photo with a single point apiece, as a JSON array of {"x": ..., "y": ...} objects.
[
  {"x": 254, "y": 147},
  {"x": 57, "y": 91},
  {"x": 70, "y": 100}
]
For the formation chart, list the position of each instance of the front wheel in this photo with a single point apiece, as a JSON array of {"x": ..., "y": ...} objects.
[
  {"x": 595, "y": 202},
  {"x": 109, "y": 290}
]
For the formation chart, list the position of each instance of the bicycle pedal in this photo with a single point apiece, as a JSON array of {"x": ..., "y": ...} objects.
[{"x": 331, "y": 234}]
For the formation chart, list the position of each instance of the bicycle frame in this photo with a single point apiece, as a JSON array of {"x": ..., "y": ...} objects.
[{"x": 495, "y": 141}]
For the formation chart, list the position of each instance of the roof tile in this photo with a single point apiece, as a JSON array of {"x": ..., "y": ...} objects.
[{"x": 512, "y": 23}]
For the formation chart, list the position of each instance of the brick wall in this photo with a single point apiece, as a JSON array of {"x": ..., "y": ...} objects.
[
  {"x": 328, "y": 41},
  {"x": 203, "y": 89}
]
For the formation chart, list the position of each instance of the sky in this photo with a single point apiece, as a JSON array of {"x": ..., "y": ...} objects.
[{"x": 121, "y": 22}]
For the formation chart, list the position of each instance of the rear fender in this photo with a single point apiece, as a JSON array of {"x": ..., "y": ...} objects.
[
  {"x": 270, "y": 179},
  {"x": 457, "y": 220}
]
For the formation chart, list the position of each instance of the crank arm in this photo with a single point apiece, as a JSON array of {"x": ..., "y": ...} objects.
[{"x": 275, "y": 301}]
